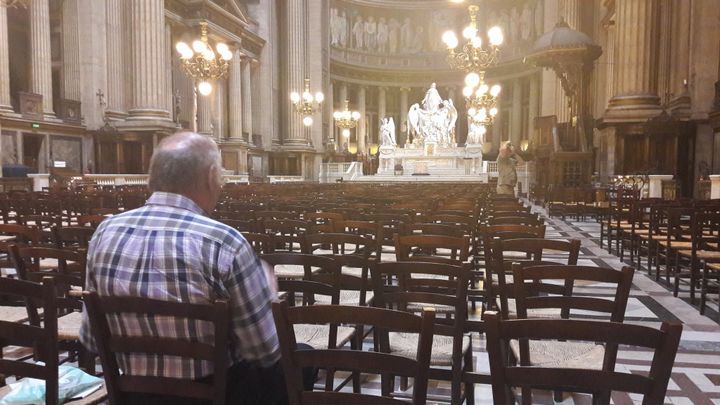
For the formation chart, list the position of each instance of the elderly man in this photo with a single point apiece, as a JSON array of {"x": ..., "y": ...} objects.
[
  {"x": 170, "y": 250},
  {"x": 507, "y": 173}
]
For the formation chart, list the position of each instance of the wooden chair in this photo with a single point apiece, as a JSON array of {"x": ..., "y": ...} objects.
[
  {"x": 433, "y": 248},
  {"x": 532, "y": 249},
  {"x": 242, "y": 225},
  {"x": 504, "y": 374},
  {"x": 705, "y": 246},
  {"x": 73, "y": 237},
  {"x": 111, "y": 345},
  {"x": 537, "y": 289},
  {"x": 261, "y": 243},
  {"x": 678, "y": 236},
  {"x": 710, "y": 284},
  {"x": 90, "y": 220},
  {"x": 41, "y": 339},
  {"x": 294, "y": 360},
  {"x": 287, "y": 233},
  {"x": 412, "y": 286}
]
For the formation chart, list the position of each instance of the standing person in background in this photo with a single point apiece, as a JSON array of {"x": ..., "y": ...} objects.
[{"x": 507, "y": 173}]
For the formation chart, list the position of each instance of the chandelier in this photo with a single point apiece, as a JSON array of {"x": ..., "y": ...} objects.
[
  {"x": 473, "y": 56},
  {"x": 14, "y": 3},
  {"x": 202, "y": 63},
  {"x": 307, "y": 104},
  {"x": 481, "y": 99},
  {"x": 346, "y": 119}
]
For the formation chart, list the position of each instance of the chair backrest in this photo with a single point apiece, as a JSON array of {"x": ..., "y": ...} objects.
[
  {"x": 242, "y": 225},
  {"x": 294, "y": 360},
  {"x": 111, "y": 344},
  {"x": 90, "y": 219},
  {"x": 533, "y": 248},
  {"x": 431, "y": 229},
  {"x": 340, "y": 244},
  {"x": 287, "y": 232},
  {"x": 72, "y": 237},
  {"x": 261, "y": 243},
  {"x": 26, "y": 235},
  {"x": 425, "y": 248},
  {"x": 504, "y": 375},
  {"x": 40, "y": 338}
]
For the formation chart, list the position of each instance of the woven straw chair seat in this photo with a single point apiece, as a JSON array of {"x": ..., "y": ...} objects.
[
  {"x": 405, "y": 344},
  {"x": 701, "y": 254},
  {"x": 347, "y": 297},
  {"x": 291, "y": 271},
  {"x": 438, "y": 308},
  {"x": 13, "y": 314},
  {"x": 318, "y": 336},
  {"x": 548, "y": 353},
  {"x": 69, "y": 326},
  {"x": 676, "y": 244}
]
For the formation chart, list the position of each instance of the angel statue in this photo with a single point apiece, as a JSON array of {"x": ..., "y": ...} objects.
[
  {"x": 434, "y": 121},
  {"x": 387, "y": 130}
]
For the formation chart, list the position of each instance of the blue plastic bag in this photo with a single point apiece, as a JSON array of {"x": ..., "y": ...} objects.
[{"x": 31, "y": 391}]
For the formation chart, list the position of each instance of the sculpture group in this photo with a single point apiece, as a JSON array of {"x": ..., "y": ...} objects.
[{"x": 434, "y": 122}]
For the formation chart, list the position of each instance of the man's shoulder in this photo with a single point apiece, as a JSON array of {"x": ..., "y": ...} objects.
[{"x": 169, "y": 219}]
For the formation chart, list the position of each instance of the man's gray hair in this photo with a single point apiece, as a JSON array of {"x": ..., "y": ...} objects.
[{"x": 181, "y": 162}]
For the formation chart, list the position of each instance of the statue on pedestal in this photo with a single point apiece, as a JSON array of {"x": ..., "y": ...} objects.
[
  {"x": 435, "y": 121},
  {"x": 387, "y": 130}
]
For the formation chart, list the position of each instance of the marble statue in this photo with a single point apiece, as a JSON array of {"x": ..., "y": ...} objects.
[
  {"x": 435, "y": 121},
  {"x": 476, "y": 134},
  {"x": 407, "y": 36},
  {"x": 393, "y": 35},
  {"x": 343, "y": 29},
  {"x": 382, "y": 35},
  {"x": 387, "y": 130},
  {"x": 334, "y": 27},
  {"x": 359, "y": 32},
  {"x": 371, "y": 34}
]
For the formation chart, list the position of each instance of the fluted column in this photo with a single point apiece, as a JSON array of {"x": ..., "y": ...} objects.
[
  {"x": 204, "y": 114},
  {"x": 40, "y": 55},
  {"x": 343, "y": 93},
  {"x": 533, "y": 106},
  {"x": 148, "y": 60},
  {"x": 236, "y": 101},
  {"x": 635, "y": 93},
  {"x": 362, "y": 125},
  {"x": 5, "y": 104},
  {"x": 382, "y": 103},
  {"x": 295, "y": 73},
  {"x": 516, "y": 129},
  {"x": 247, "y": 99},
  {"x": 116, "y": 26},
  {"x": 330, "y": 109},
  {"x": 403, "y": 115},
  {"x": 71, "y": 51}
]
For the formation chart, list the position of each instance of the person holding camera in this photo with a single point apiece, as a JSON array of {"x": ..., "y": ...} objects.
[{"x": 506, "y": 165}]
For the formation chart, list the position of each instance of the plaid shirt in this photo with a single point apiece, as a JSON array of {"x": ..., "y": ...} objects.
[{"x": 168, "y": 250}]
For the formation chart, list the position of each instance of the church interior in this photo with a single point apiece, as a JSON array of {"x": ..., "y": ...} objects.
[{"x": 535, "y": 178}]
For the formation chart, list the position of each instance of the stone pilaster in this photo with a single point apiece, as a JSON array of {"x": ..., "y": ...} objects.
[
  {"x": 362, "y": 125},
  {"x": 236, "y": 101},
  {"x": 403, "y": 116},
  {"x": 516, "y": 129},
  {"x": 116, "y": 25},
  {"x": 71, "y": 51},
  {"x": 148, "y": 60},
  {"x": 533, "y": 105},
  {"x": 635, "y": 96},
  {"x": 204, "y": 114},
  {"x": 40, "y": 55},
  {"x": 343, "y": 93},
  {"x": 5, "y": 104},
  {"x": 295, "y": 69},
  {"x": 330, "y": 109},
  {"x": 382, "y": 103},
  {"x": 247, "y": 99}
]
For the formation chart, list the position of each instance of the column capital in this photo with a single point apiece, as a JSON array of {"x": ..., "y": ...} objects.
[{"x": 405, "y": 89}]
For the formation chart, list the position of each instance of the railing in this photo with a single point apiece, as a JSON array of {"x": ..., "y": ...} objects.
[
  {"x": 348, "y": 171},
  {"x": 490, "y": 168},
  {"x": 525, "y": 177},
  {"x": 285, "y": 179},
  {"x": 105, "y": 180}
]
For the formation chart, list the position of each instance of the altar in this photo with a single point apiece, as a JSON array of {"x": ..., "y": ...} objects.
[{"x": 432, "y": 150}]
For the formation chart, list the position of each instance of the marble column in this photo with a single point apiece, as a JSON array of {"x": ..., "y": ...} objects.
[
  {"x": 116, "y": 61},
  {"x": 219, "y": 111},
  {"x": 533, "y": 106},
  {"x": 635, "y": 95},
  {"x": 362, "y": 125},
  {"x": 680, "y": 54},
  {"x": 5, "y": 104},
  {"x": 204, "y": 114},
  {"x": 382, "y": 103},
  {"x": 40, "y": 54},
  {"x": 247, "y": 99},
  {"x": 403, "y": 139},
  {"x": 148, "y": 60},
  {"x": 170, "y": 61},
  {"x": 71, "y": 51},
  {"x": 295, "y": 69},
  {"x": 236, "y": 101},
  {"x": 343, "y": 93},
  {"x": 516, "y": 130},
  {"x": 329, "y": 110}
]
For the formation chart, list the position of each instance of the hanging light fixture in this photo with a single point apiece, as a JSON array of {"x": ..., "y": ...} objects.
[
  {"x": 306, "y": 104},
  {"x": 346, "y": 119},
  {"x": 481, "y": 99},
  {"x": 203, "y": 63},
  {"x": 477, "y": 54}
]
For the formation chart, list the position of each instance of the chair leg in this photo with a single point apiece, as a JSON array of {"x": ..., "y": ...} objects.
[
  {"x": 469, "y": 387},
  {"x": 703, "y": 291},
  {"x": 557, "y": 396}
]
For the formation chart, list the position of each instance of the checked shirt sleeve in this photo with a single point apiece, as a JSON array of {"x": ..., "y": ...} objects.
[{"x": 253, "y": 327}]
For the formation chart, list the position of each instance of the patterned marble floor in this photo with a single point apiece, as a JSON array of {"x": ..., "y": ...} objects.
[{"x": 696, "y": 375}]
